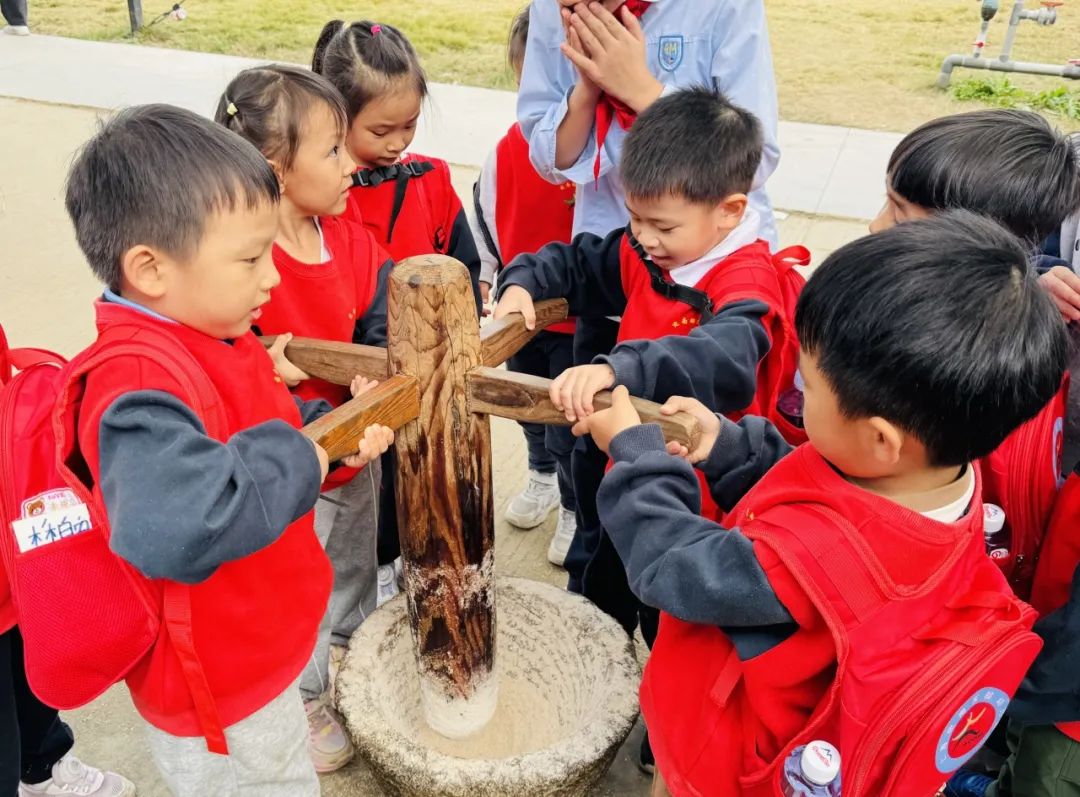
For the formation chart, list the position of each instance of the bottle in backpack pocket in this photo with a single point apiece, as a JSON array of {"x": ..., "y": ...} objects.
[
  {"x": 997, "y": 535},
  {"x": 812, "y": 770},
  {"x": 790, "y": 403}
]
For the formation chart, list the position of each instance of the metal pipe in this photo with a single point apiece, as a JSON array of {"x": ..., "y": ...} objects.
[{"x": 1070, "y": 71}]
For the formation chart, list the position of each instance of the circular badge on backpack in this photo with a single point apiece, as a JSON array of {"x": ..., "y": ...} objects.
[{"x": 969, "y": 727}]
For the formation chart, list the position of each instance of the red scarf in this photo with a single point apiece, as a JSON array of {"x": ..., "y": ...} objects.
[{"x": 610, "y": 109}]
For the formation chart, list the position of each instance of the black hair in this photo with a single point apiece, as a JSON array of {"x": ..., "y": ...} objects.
[
  {"x": 269, "y": 105},
  {"x": 939, "y": 327},
  {"x": 519, "y": 35},
  {"x": 365, "y": 59},
  {"x": 695, "y": 144},
  {"x": 152, "y": 175},
  {"x": 1009, "y": 165}
]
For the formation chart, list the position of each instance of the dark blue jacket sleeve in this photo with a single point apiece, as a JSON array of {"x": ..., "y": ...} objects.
[
  {"x": 371, "y": 326},
  {"x": 676, "y": 560},
  {"x": 463, "y": 248},
  {"x": 180, "y": 503},
  {"x": 742, "y": 454},
  {"x": 585, "y": 272},
  {"x": 311, "y": 411},
  {"x": 716, "y": 363}
]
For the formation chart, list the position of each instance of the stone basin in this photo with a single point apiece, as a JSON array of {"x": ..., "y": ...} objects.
[{"x": 568, "y": 684}]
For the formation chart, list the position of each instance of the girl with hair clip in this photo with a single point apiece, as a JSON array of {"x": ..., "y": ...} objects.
[
  {"x": 405, "y": 200},
  {"x": 333, "y": 287}
]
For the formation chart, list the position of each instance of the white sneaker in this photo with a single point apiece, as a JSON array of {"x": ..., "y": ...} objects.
[
  {"x": 530, "y": 508},
  {"x": 329, "y": 745},
  {"x": 388, "y": 585},
  {"x": 17, "y": 30},
  {"x": 72, "y": 776},
  {"x": 564, "y": 535}
]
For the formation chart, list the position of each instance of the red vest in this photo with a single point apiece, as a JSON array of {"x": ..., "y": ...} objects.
[
  {"x": 255, "y": 619},
  {"x": 719, "y": 726},
  {"x": 426, "y": 216},
  {"x": 325, "y": 300},
  {"x": 747, "y": 273},
  {"x": 530, "y": 212}
]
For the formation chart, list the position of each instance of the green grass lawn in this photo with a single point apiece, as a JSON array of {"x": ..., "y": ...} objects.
[{"x": 865, "y": 63}]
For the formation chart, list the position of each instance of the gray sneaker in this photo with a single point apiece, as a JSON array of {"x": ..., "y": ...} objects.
[
  {"x": 564, "y": 535},
  {"x": 72, "y": 776},
  {"x": 530, "y": 508}
]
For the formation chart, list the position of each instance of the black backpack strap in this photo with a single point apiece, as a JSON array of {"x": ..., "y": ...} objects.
[
  {"x": 485, "y": 231},
  {"x": 699, "y": 300},
  {"x": 400, "y": 173}
]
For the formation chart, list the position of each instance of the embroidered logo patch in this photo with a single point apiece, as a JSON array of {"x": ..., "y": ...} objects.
[
  {"x": 671, "y": 52},
  {"x": 969, "y": 727}
]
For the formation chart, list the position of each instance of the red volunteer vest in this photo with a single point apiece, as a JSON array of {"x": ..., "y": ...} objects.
[
  {"x": 425, "y": 218},
  {"x": 530, "y": 212},
  {"x": 325, "y": 300},
  {"x": 747, "y": 273},
  {"x": 719, "y": 726},
  {"x": 255, "y": 619}
]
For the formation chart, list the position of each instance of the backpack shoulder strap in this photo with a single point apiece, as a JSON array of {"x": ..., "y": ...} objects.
[
  {"x": 697, "y": 299},
  {"x": 160, "y": 347},
  {"x": 12, "y": 360}
]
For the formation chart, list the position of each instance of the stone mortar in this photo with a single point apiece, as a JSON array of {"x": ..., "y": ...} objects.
[{"x": 568, "y": 685}]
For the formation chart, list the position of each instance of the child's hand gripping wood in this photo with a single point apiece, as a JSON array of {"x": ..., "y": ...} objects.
[
  {"x": 710, "y": 428},
  {"x": 516, "y": 299},
  {"x": 377, "y": 438},
  {"x": 573, "y": 390},
  {"x": 606, "y": 424},
  {"x": 289, "y": 373}
]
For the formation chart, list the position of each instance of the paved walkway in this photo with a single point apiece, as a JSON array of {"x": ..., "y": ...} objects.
[{"x": 833, "y": 171}]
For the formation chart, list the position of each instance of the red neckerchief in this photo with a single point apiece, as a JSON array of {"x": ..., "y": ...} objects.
[{"x": 609, "y": 109}]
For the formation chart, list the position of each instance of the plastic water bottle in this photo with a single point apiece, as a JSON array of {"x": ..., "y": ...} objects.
[
  {"x": 790, "y": 403},
  {"x": 996, "y": 532},
  {"x": 812, "y": 771}
]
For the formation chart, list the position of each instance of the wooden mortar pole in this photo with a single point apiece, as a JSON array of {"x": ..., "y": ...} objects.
[{"x": 444, "y": 498}]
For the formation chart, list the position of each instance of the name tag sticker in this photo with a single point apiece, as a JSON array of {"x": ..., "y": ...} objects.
[{"x": 42, "y": 529}]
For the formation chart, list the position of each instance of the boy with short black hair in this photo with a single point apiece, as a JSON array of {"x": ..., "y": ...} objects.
[
  {"x": 211, "y": 488},
  {"x": 922, "y": 348}
]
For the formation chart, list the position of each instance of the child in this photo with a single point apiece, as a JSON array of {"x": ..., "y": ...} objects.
[
  {"x": 897, "y": 406},
  {"x": 178, "y": 216},
  {"x": 693, "y": 253},
  {"x": 519, "y": 212},
  {"x": 1035, "y": 187},
  {"x": 333, "y": 287},
  {"x": 406, "y": 201}
]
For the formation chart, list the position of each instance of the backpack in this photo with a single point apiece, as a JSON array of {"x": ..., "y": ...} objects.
[
  {"x": 1023, "y": 477},
  {"x": 1060, "y": 552},
  {"x": 906, "y": 720},
  {"x": 87, "y": 618},
  {"x": 791, "y": 283}
]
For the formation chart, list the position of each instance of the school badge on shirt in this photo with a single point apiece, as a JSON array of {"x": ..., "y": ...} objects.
[{"x": 671, "y": 52}]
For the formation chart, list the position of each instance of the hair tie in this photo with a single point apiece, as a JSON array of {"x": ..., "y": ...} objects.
[
  {"x": 231, "y": 109},
  {"x": 376, "y": 30}
]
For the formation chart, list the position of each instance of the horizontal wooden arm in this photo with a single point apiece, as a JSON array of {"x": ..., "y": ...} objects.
[
  {"x": 505, "y": 337},
  {"x": 392, "y": 403},
  {"x": 522, "y": 397},
  {"x": 332, "y": 360}
]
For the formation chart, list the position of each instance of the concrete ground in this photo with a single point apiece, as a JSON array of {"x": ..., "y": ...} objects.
[{"x": 45, "y": 296}]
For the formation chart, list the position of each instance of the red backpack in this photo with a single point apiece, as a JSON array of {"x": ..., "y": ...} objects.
[
  {"x": 86, "y": 616},
  {"x": 1023, "y": 477},
  {"x": 1060, "y": 551},
  {"x": 791, "y": 283}
]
